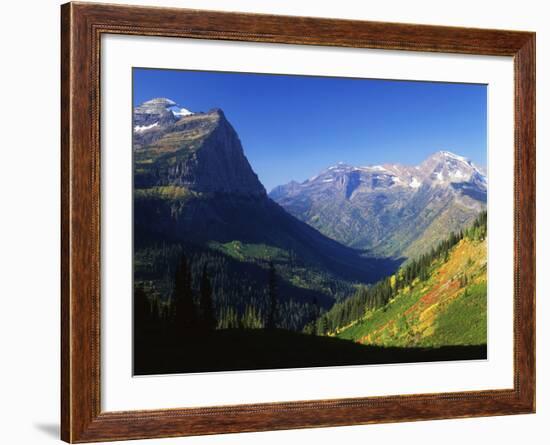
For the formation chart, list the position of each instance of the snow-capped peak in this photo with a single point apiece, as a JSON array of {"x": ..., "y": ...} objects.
[
  {"x": 159, "y": 106},
  {"x": 378, "y": 168},
  {"x": 164, "y": 101},
  {"x": 447, "y": 167},
  {"x": 441, "y": 170},
  {"x": 456, "y": 157},
  {"x": 340, "y": 166}
]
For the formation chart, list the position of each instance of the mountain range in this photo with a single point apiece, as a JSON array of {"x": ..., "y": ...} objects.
[
  {"x": 195, "y": 190},
  {"x": 391, "y": 209}
]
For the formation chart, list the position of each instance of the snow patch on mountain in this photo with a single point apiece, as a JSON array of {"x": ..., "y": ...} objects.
[
  {"x": 142, "y": 128},
  {"x": 397, "y": 180},
  {"x": 458, "y": 174},
  {"x": 180, "y": 112}
]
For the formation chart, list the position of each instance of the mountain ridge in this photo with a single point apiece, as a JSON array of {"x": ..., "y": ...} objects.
[
  {"x": 389, "y": 209},
  {"x": 435, "y": 170}
]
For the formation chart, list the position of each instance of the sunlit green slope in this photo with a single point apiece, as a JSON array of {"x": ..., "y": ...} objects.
[{"x": 449, "y": 307}]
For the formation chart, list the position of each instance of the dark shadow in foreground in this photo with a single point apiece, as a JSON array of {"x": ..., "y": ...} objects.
[{"x": 239, "y": 350}]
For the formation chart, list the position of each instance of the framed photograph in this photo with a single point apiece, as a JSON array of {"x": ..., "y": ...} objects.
[{"x": 275, "y": 222}]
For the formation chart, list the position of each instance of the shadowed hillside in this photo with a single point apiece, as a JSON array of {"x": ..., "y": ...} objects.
[{"x": 247, "y": 349}]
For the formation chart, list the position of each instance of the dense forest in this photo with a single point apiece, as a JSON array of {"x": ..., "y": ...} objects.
[
  {"x": 240, "y": 286},
  {"x": 193, "y": 306}
]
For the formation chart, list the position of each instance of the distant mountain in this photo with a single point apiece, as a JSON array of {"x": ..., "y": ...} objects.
[
  {"x": 391, "y": 209},
  {"x": 194, "y": 186}
]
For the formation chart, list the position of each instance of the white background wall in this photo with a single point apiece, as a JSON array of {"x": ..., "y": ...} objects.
[{"x": 29, "y": 222}]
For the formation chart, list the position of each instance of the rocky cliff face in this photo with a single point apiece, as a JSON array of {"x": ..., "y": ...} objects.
[
  {"x": 389, "y": 209},
  {"x": 220, "y": 165},
  {"x": 200, "y": 152}
]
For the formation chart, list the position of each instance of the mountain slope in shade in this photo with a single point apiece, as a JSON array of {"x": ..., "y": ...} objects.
[
  {"x": 194, "y": 186},
  {"x": 392, "y": 209}
]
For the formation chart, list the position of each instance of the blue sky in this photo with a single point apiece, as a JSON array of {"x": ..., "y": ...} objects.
[{"x": 292, "y": 127}]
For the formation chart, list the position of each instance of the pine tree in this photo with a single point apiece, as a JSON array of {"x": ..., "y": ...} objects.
[
  {"x": 323, "y": 325},
  {"x": 314, "y": 309},
  {"x": 272, "y": 289},
  {"x": 208, "y": 319},
  {"x": 232, "y": 319},
  {"x": 185, "y": 316},
  {"x": 142, "y": 311},
  {"x": 251, "y": 318}
]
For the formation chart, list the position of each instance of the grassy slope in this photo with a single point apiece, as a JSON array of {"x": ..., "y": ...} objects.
[{"x": 440, "y": 311}]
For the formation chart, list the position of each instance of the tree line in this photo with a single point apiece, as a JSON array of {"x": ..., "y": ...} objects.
[
  {"x": 189, "y": 310},
  {"x": 379, "y": 294},
  {"x": 240, "y": 288}
]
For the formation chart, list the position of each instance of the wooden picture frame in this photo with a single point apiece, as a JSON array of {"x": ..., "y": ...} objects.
[{"x": 82, "y": 26}]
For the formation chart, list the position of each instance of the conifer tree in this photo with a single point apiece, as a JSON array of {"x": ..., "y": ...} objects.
[
  {"x": 322, "y": 327},
  {"x": 316, "y": 311},
  {"x": 251, "y": 318},
  {"x": 142, "y": 311},
  {"x": 185, "y": 315},
  {"x": 208, "y": 319},
  {"x": 272, "y": 290}
]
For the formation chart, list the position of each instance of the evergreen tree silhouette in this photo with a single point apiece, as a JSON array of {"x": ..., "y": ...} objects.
[
  {"x": 142, "y": 311},
  {"x": 272, "y": 289},
  {"x": 185, "y": 316},
  {"x": 208, "y": 319},
  {"x": 314, "y": 310}
]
